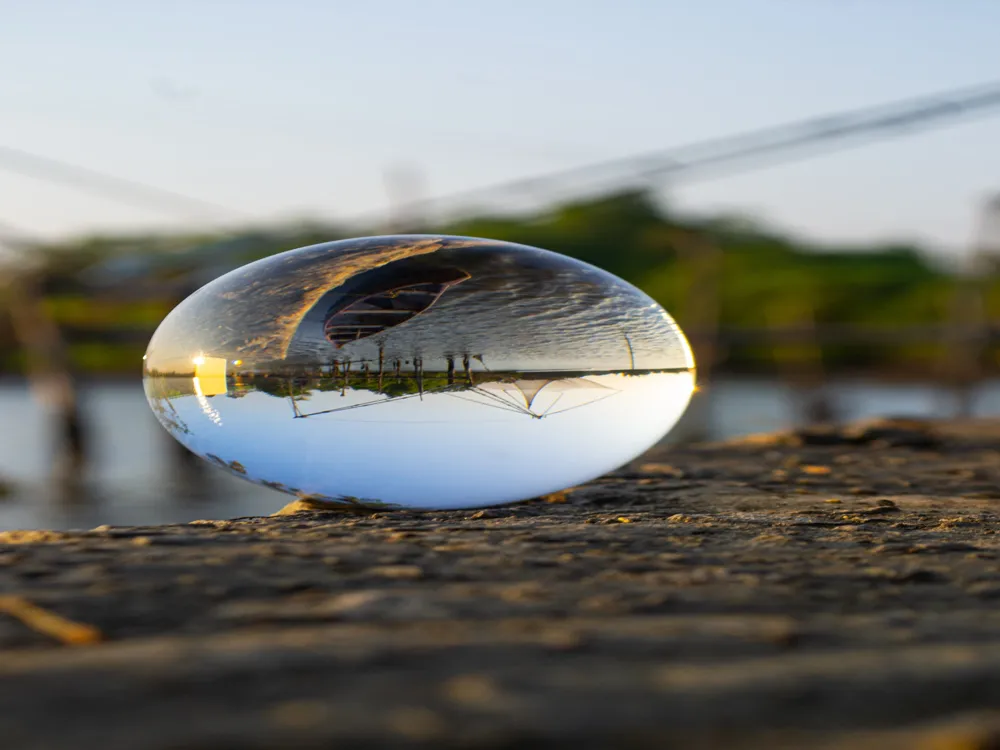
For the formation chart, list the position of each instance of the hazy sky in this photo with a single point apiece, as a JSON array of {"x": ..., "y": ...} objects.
[{"x": 299, "y": 108}]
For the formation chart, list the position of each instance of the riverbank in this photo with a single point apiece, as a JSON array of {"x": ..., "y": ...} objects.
[
  {"x": 831, "y": 588},
  {"x": 137, "y": 476}
]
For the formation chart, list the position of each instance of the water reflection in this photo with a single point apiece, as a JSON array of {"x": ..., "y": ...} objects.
[
  {"x": 418, "y": 371},
  {"x": 440, "y": 445}
]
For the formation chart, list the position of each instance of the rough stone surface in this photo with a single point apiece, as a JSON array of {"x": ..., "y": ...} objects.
[{"x": 830, "y": 588}]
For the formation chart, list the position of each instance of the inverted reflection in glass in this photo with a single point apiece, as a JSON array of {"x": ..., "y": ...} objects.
[{"x": 418, "y": 371}]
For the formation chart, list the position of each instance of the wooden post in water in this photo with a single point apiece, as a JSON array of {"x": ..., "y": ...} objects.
[
  {"x": 700, "y": 265},
  {"x": 381, "y": 364},
  {"x": 965, "y": 340},
  {"x": 967, "y": 336},
  {"x": 800, "y": 363},
  {"x": 50, "y": 375}
]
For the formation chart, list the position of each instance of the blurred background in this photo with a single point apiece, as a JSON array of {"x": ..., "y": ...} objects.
[{"x": 811, "y": 189}]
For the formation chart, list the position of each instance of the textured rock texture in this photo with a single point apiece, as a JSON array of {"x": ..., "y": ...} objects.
[{"x": 829, "y": 588}]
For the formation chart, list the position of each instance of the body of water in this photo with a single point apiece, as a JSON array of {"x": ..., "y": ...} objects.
[{"x": 136, "y": 475}]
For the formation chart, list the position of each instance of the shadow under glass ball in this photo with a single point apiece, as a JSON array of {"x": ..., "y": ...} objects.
[{"x": 418, "y": 371}]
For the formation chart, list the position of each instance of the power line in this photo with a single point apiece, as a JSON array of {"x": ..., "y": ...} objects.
[
  {"x": 99, "y": 183},
  {"x": 706, "y": 158},
  {"x": 889, "y": 121},
  {"x": 767, "y": 145}
]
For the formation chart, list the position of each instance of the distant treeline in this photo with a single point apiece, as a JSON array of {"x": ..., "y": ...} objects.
[{"x": 108, "y": 293}]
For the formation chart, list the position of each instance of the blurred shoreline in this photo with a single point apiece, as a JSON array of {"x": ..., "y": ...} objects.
[{"x": 137, "y": 473}]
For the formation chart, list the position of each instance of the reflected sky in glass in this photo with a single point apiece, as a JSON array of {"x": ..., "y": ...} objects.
[{"x": 447, "y": 450}]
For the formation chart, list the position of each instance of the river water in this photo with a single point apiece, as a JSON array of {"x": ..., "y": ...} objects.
[{"x": 135, "y": 477}]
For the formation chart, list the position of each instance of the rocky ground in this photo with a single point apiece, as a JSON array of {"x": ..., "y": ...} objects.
[{"x": 829, "y": 588}]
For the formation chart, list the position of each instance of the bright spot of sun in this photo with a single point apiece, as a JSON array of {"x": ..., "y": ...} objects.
[{"x": 199, "y": 360}]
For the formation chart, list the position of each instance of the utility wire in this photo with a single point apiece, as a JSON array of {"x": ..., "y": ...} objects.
[
  {"x": 99, "y": 183},
  {"x": 707, "y": 158},
  {"x": 778, "y": 143}
]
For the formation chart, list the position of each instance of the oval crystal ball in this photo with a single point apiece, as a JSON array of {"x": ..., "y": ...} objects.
[{"x": 418, "y": 371}]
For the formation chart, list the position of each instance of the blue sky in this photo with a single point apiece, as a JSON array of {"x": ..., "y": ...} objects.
[{"x": 293, "y": 109}]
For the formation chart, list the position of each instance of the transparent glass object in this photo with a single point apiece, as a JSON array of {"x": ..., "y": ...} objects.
[{"x": 418, "y": 371}]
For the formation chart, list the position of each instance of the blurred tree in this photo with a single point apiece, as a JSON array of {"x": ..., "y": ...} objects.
[{"x": 108, "y": 293}]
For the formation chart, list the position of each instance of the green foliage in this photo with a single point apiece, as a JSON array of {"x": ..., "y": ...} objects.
[{"x": 761, "y": 280}]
